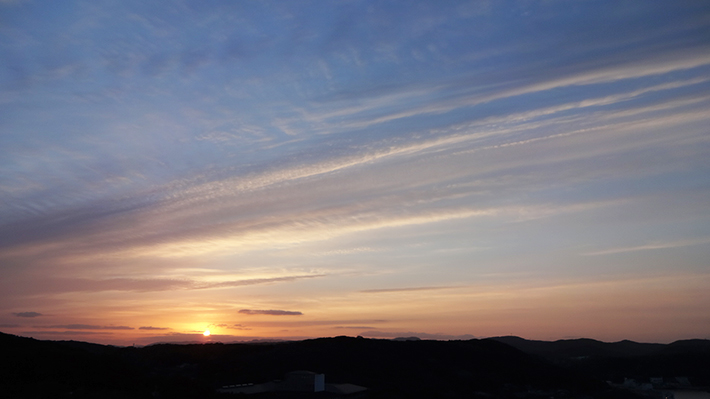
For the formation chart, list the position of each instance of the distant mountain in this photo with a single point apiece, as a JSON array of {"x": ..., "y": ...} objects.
[{"x": 407, "y": 339}]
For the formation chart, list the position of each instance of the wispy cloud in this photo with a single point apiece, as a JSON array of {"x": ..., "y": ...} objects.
[
  {"x": 624, "y": 71},
  {"x": 353, "y": 327},
  {"x": 60, "y": 333},
  {"x": 300, "y": 323},
  {"x": 59, "y": 284},
  {"x": 406, "y": 289},
  {"x": 237, "y": 327},
  {"x": 255, "y": 281},
  {"x": 650, "y": 246},
  {"x": 87, "y": 327},
  {"x": 151, "y": 328},
  {"x": 215, "y": 197},
  {"x": 270, "y": 312},
  {"x": 27, "y": 314}
]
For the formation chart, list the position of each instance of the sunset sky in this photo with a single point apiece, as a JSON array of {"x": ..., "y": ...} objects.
[{"x": 295, "y": 169}]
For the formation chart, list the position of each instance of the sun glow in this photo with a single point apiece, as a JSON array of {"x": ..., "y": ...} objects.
[{"x": 206, "y": 333}]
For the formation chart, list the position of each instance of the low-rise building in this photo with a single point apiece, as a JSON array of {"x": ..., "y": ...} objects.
[{"x": 299, "y": 382}]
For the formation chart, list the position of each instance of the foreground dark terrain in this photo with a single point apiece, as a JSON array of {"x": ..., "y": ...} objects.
[{"x": 504, "y": 367}]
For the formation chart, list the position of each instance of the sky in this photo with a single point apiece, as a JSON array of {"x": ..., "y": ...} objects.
[{"x": 299, "y": 169}]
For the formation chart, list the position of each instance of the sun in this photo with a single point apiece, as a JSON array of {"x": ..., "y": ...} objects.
[{"x": 206, "y": 333}]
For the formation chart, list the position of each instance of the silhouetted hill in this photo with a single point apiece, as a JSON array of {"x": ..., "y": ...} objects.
[
  {"x": 40, "y": 369},
  {"x": 388, "y": 368},
  {"x": 625, "y": 359},
  {"x": 688, "y": 346},
  {"x": 583, "y": 347}
]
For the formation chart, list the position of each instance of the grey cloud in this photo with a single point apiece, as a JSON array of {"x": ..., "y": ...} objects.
[
  {"x": 86, "y": 327},
  {"x": 9, "y": 325},
  {"x": 153, "y": 328},
  {"x": 270, "y": 312},
  {"x": 65, "y": 333},
  {"x": 27, "y": 314},
  {"x": 353, "y": 327},
  {"x": 56, "y": 285},
  {"x": 310, "y": 323},
  {"x": 239, "y": 327},
  {"x": 40, "y": 222}
]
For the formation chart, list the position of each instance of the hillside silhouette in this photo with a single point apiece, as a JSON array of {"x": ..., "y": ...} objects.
[
  {"x": 483, "y": 368},
  {"x": 616, "y": 361}
]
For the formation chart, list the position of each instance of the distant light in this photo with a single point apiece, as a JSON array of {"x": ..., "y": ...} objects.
[{"x": 206, "y": 333}]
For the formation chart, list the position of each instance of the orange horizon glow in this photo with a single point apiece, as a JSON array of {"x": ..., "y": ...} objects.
[{"x": 542, "y": 311}]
